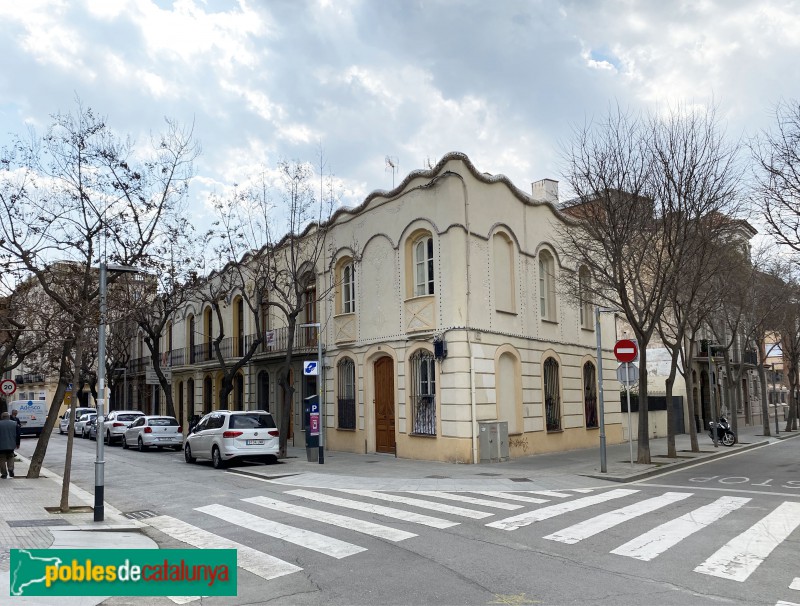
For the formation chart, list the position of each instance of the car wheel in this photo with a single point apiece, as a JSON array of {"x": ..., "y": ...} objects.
[
  {"x": 142, "y": 447},
  {"x": 216, "y": 459},
  {"x": 61, "y": 431},
  {"x": 187, "y": 454},
  {"x": 108, "y": 438},
  {"x": 729, "y": 439},
  {"x": 124, "y": 443},
  {"x": 272, "y": 459}
]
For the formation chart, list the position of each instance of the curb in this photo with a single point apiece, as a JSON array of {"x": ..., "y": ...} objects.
[{"x": 673, "y": 466}]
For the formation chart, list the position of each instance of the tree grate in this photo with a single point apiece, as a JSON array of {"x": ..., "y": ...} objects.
[{"x": 140, "y": 515}]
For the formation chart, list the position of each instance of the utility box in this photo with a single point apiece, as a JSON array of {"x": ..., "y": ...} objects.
[{"x": 493, "y": 441}]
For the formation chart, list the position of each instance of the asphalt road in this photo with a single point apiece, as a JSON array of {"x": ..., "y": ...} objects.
[{"x": 720, "y": 532}]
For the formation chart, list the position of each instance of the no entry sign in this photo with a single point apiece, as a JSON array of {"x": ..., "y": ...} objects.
[{"x": 625, "y": 350}]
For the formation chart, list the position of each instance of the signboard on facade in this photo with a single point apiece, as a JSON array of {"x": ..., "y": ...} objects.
[{"x": 151, "y": 378}]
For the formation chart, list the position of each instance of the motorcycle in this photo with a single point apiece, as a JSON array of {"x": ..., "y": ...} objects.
[{"x": 724, "y": 432}]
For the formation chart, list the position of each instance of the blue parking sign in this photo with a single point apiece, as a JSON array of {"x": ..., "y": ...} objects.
[{"x": 310, "y": 367}]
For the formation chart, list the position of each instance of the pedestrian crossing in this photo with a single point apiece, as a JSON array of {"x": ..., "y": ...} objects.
[{"x": 669, "y": 519}]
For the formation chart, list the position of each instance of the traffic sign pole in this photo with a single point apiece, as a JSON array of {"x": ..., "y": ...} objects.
[{"x": 628, "y": 389}]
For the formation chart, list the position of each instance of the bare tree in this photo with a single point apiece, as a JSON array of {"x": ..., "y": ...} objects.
[
  {"x": 644, "y": 186},
  {"x": 74, "y": 196}
]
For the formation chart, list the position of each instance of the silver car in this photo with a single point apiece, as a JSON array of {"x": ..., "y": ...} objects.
[
  {"x": 227, "y": 435},
  {"x": 116, "y": 423},
  {"x": 158, "y": 431},
  {"x": 82, "y": 424}
]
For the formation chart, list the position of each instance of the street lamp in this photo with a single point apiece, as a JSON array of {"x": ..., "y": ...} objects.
[
  {"x": 99, "y": 462},
  {"x": 597, "y": 311},
  {"x": 775, "y": 398},
  {"x": 320, "y": 387}
]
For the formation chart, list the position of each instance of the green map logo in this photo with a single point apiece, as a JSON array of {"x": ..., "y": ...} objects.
[{"x": 114, "y": 572}]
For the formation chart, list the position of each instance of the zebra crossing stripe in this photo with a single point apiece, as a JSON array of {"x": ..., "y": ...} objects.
[
  {"x": 466, "y": 499},
  {"x": 795, "y": 584},
  {"x": 544, "y": 513},
  {"x": 304, "y": 538},
  {"x": 513, "y": 497},
  {"x": 597, "y": 524},
  {"x": 785, "y": 603},
  {"x": 739, "y": 557},
  {"x": 362, "y": 526},
  {"x": 390, "y": 512},
  {"x": 653, "y": 543},
  {"x": 451, "y": 509},
  {"x": 249, "y": 559}
]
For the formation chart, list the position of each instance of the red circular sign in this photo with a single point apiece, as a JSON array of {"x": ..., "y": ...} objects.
[{"x": 625, "y": 350}]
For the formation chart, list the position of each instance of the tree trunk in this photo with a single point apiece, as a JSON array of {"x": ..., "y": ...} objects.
[
  {"x": 71, "y": 429},
  {"x": 643, "y": 447},
  {"x": 691, "y": 405}
]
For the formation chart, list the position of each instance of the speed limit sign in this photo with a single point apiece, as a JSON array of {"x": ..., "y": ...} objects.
[{"x": 8, "y": 386}]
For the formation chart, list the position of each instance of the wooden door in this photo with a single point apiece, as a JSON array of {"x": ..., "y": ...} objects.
[{"x": 384, "y": 405}]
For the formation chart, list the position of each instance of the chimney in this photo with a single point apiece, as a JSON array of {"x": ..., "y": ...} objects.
[{"x": 545, "y": 190}]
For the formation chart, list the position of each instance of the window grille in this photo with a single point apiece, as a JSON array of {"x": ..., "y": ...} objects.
[
  {"x": 552, "y": 399},
  {"x": 590, "y": 394},
  {"x": 346, "y": 396},
  {"x": 423, "y": 393}
]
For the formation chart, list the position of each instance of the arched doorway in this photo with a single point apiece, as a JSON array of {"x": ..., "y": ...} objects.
[
  {"x": 384, "y": 405},
  {"x": 208, "y": 391},
  {"x": 263, "y": 390},
  {"x": 238, "y": 391}
]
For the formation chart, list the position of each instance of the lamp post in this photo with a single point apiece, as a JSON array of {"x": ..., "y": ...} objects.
[
  {"x": 597, "y": 311},
  {"x": 775, "y": 398},
  {"x": 712, "y": 399},
  {"x": 320, "y": 387},
  {"x": 124, "y": 398},
  {"x": 99, "y": 462}
]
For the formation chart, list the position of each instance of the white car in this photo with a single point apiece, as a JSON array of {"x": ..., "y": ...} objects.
[
  {"x": 117, "y": 422},
  {"x": 158, "y": 431},
  {"x": 226, "y": 435},
  {"x": 81, "y": 425},
  {"x": 63, "y": 425}
]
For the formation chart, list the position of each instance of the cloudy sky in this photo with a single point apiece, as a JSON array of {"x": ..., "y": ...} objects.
[{"x": 503, "y": 81}]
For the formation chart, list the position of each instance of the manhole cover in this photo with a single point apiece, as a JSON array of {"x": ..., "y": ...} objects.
[
  {"x": 520, "y": 479},
  {"x": 437, "y": 477},
  {"x": 486, "y": 473},
  {"x": 140, "y": 515}
]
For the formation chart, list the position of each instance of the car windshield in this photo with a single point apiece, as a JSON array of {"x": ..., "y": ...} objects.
[
  {"x": 163, "y": 422},
  {"x": 252, "y": 421},
  {"x": 130, "y": 417}
]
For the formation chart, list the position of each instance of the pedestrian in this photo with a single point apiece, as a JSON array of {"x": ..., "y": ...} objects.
[
  {"x": 14, "y": 414},
  {"x": 10, "y": 434}
]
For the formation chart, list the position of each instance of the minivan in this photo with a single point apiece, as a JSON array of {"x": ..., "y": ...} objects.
[{"x": 31, "y": 413}]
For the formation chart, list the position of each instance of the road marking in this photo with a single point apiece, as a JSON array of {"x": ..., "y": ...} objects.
[
  {"x": 795, "y": 584},
  {"x": 513, "y": 497},
  {"x": 304, "y": 538},
  {"x": 592, "y": 526},
  {"x": 697, "y": 487},
  {"x": 739, "y": 557},
  {"x": 785, "y": 603},
  {"x": 544, "y": 513},
  {"x": 259, "y": 563},
  {"x": 465, "y": 499},
  {"x": 451, "y": 509},
  {"x": 390, "y": 512},
  {"x": 362, "y": 526},
  {"x": 655, "y": 542}
]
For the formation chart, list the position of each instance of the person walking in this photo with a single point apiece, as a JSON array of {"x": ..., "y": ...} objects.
[{"x": 9, "y": 440}]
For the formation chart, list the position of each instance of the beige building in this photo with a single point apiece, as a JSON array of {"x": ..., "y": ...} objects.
[{"x": 444, "y": 312}]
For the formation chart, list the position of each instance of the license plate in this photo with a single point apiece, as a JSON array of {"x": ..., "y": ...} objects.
[
  {"x": 254, "y": 442},
  {"x": 165, "y": 438}
]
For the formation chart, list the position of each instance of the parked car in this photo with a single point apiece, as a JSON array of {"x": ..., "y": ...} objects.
[
  {"x": 158, "y": 431},
  {"x": 63, "y": 425},
  {"x": 80, "y": 425},
  {"x": 227, "y": 435},
  {"x": 91, "y": 428},
  {"x": 117, "y": 422}
]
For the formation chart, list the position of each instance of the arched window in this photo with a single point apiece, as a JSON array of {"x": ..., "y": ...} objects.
[
  {"x": 423, "y": 266},
  {"x": 191, "y": 341},
  {"x": 190, "y": 398},
  {"x": 584, "y": 290},
  {"x": 547, "y": 286},
  {"x": 552, "y": 395},
  {"x": 208, "y": 328},
  {"x": 346, "y": 394},
  {"x": 423, "y": 393},
  {"x": 503, "y": 274},
  {"x": 348, "y": 289},
  {"x": 590, "y": 395}
]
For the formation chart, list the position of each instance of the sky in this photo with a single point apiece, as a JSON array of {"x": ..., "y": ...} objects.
[{"x": 504, "y": 81}]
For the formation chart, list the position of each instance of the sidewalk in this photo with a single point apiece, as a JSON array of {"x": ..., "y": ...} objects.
[{"x": 25, "y": 523}]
